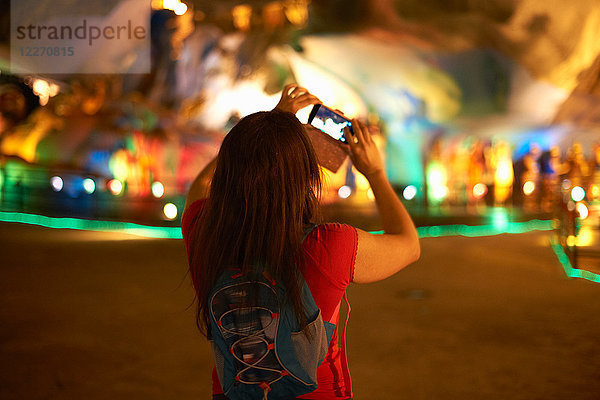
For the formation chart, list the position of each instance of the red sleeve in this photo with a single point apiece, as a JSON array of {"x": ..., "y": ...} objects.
[
  {"x": 332, "y": 248},
  {"x": 188, "y": 218}
]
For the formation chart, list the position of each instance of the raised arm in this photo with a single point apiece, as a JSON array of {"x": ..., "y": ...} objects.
[
  {"x": 293, "y": 98},
  {"x": 380, "y": 256}
]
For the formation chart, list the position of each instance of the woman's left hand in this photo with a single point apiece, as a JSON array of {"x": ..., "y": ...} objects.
[{"x": 294, "y": 98}]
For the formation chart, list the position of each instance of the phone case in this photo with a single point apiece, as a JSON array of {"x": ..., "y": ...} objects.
[{"x": 331, "y": 153}]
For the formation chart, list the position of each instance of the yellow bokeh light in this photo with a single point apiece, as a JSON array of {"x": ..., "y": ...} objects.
[
  {"x": 170, "y": 211},
  {"x": 158, "y": 189},
  {"x": 344, "y": 192},
  {"x": 528, "y": 188},
  {"x": 180, "y": 9},
  {"x": 242, "y": 15},
  {"x": 169, "y": 4},
  {"x": 479, "y": 190},
  {"x": 115, "y": 186},
  {"x": 273, "y": 14},
  {"x": 582, "y": 210},
  {"x": 296, "y": 11}
]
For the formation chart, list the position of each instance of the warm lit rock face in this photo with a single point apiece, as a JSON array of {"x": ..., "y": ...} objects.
[
  {"x": 582, "y": 107},
  {"x": 555, "y": 40}
]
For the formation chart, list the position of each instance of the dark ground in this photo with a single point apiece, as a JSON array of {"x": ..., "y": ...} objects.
[{"x": 91, "y": 316}]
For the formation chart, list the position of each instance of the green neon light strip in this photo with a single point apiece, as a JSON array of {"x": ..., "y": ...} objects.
[
  {"x": 485, "y": 230},
  {"x": 92, "y": 225},
  {"x": 571, "y": 272},
  {"x": 482, "y": 230},
  {"x": 175, "y": 232},
  {"x": 424, "y": 232}
]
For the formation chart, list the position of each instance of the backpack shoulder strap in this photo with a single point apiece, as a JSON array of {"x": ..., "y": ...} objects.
[{"x": 345, "y": 369}]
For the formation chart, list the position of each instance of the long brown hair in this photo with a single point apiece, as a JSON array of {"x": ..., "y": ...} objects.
[{"x": 263, "y": 193}]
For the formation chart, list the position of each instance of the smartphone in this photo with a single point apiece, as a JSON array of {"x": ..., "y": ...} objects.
[{"x": 329, "y": 121}]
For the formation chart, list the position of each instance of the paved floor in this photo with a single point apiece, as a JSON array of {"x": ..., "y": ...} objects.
[{"x": 92, "y": 316}]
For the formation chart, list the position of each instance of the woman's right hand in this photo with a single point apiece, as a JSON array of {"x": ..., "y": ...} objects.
[
  {"x": 363, "y": 151},
  {"x": 380, "y": 256},
  {"x": 294, "y": 98}
]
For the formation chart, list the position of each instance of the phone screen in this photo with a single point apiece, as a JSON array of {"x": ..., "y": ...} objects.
[{"x": 329, "y": 121}]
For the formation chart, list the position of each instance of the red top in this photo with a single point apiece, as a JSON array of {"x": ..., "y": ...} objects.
[{"x": 330, "y": 251}]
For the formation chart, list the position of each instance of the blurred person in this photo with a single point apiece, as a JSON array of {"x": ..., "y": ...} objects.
[
  {"x": 458, "y": 167},
  {"x": 436, "y": 175},
  {"x": 552, "y": 168},
  {"x": 501, "y": 162},
  {"x": 594, "y": 187},
  {"x": 578, "y": 166},
  {"x": 530, "y": 179},
  {"x": 596, "y": 157},
  {"x": 477, "y": 171},
  {"x": 252, "y": 204}
]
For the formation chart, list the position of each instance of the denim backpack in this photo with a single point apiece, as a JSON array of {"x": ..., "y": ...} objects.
[{"x": 260, "y": 349}]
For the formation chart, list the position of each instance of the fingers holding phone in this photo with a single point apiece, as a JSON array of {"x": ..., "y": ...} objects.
[
  {"x": 363, "y": 151},
  {"x": 294, "y": 98}
]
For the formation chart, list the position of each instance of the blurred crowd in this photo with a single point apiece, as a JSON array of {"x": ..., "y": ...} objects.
[{"x": 476, "y": 173}]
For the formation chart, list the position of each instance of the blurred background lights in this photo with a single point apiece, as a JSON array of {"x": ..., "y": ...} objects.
[
  {"x": 409, "y": 192},
  {"x": 370, "y": 194},
  {"x": 594, "y": 192},
  {"x": 439, "y": 192},
  {"x": 180, "y": 9},
  {"x": 582, "y": 210},
  {"x": 176, "y": 6},
  {"x": 577, "y": 193},
  {"x": 115, "y": 186},
  {"x": 170, "y": 211},
  {"x": 44, "y": 90},
  {"x": 479, "y": 190},
  {"x": 158, "y": 189},
  {"x": 241, "y": 16},
  {"x": 504, "y": 173},
  {"x": 57, "y": 183},
  {"x": 528, "y": 188},
  {"x": 566, "y": 184},
  {"x": 500, "y": 218},
  {"x": 89, "y": 185},
  {"x": 344, "y": 192},
  {"x": 296, "y": 11}
]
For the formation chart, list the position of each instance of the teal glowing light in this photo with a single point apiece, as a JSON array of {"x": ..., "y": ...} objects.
[
  {"x": 409, "y": 192},
  {"x": 500, "y": 218},
  {"x": 89, "y": 185},
  {"x": 481, "y": 230},
  {"x": 436, "y": 182},
  {"x": 569, "y": 270},
  {"x": 160, "y": 232},
  {"x": 175, "y": 232}
]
